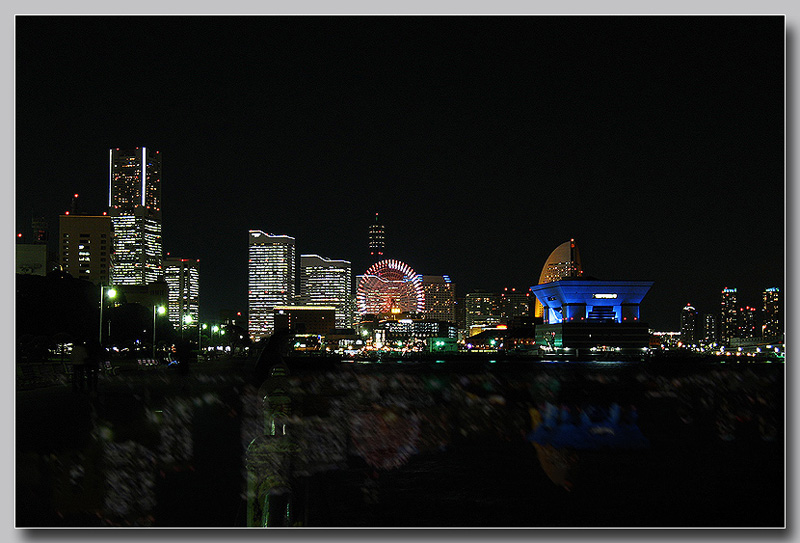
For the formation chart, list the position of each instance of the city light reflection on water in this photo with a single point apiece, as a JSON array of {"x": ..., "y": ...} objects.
[{"x": 445, "y": 445}]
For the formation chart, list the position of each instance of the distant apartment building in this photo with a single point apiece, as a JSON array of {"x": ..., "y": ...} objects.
[
  {"x": 86, "y": 247},
  {"x": 271, "y": 279},
  {"x": 729, "y": 315},
  {"x": 326, "y": 282},
  {"x": 514, "y": 303},
  {"x": 710, "y": 335},
  {"x": 482, "y": 310},
  {"x": 689, "y": 326},
  {"x": 440, "y": 298},
  {"x": 182, "y": 276},
  {"x": 747, "y": 327},
  {"x": 772, "y": 327}
]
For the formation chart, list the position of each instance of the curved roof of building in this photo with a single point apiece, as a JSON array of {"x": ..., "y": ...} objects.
[{"x": 567, "y": 252}]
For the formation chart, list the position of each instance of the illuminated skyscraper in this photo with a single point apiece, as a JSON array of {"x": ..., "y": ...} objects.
[
  {"x": 134, "y": 203},
  {"x": 271, "y": 279},
  {"x": 563, "y": 262},
  {"x": 325, "y": 282},
  {"x": 440, "y": 298},
  {"x": 747, "y": 328},
  {"x": 709, "y": 328},
  {"x": 183, "y": 280},
  {"x": 772, "y": 328},
  {"x": 728, "y": 318},
  {"x": 515, "y": 304},
  {"x": 483, "y": 309},
  {"x": 689, "y": 325},
  {"x": 377, "y": 239},
  {"x": 85, "y": 246}
]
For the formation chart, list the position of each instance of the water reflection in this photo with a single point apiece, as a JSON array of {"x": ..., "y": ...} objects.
[{"x": 376, "y": 422}]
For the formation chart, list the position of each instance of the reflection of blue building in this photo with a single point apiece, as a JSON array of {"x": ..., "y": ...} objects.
[{"x": 586, "y": 313}]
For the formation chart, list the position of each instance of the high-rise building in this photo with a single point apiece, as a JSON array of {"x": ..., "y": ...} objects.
[
  {"x": 440, "y": 298},
  {"x": 482, "y": 309},
  {"x": 728, "y": 318},
  {"x": 134, "y": 202},
  {"x": 747, "y": 327},
  {"x": 325, "y": 282},
  {"x": 515, "y": 304},
  {"x": 182, "y": 276},
  {"x": 689, "y": 326},
  {"x": 772, "y": 327},
  {"x": 85, "y": 247},
  {"x": 377, "y": 239},
  {"x": 563, "y": 262},
  {"x": 270, "y": 279},
  {"x": 709, "y": 328}
]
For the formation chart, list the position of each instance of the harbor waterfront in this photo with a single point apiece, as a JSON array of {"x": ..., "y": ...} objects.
[{"x": 451, "y": 442}]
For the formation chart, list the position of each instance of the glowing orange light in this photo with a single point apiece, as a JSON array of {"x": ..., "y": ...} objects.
[{"x": 19, "y": 235}]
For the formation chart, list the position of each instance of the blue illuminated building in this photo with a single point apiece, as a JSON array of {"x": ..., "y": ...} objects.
[{"x": 591, "y": 315}]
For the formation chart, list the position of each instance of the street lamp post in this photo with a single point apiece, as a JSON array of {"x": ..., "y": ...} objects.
[
  {"x": 187, "y": 320},
  {"x": 199, "y": 336},
  {"x": 111, "y": 293},
  {"x": 160, "y": 310}
]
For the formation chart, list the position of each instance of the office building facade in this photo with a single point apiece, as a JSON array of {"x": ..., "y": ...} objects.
[
  {"x": 748, "y": 326},
  {"x": 182, "y": 276},
  {"x": 377, "y": 239},
  {"x": 271, "y": 279},
  {"x": 689, "y": 326},
  {"x": 710, "y": 335},
  {"x": 86, "y": 247},
  {"x": 134, "y": 203},
  {"x": 728, "y": 317},
  {"x": 772, "y": 327},
  {"x": 440, "y": 298},
  {"x": 482, "y": 310},
  {"x": 326, "y": 282}
]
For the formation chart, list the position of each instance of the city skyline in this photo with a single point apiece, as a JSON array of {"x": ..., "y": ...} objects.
[{"x": 664, "y": 164}]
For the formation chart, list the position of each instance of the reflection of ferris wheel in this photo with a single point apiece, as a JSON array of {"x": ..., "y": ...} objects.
[{"x": 389, "y": 286}]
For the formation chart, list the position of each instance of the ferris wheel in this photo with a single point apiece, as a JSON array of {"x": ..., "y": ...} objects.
[{"x": 389, "y": 286}]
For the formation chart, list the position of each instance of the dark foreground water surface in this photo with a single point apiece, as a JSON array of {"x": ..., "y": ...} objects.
[{"x": 487, "y": 444}]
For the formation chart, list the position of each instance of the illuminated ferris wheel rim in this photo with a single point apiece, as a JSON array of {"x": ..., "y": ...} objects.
[{"x": 376, "y": 275}]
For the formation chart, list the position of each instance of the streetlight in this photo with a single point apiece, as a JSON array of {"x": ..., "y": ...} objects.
[
  {"x": 160, "y": 310},
  {"x": 199, "y": 331},
  {"x": 187, "y": 321},
  {"x": 111, "y": 293}
]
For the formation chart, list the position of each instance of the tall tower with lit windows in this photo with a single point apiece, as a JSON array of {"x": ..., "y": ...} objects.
[
  {"x": 329, "y": 283},
  {"x": 689, "y": 325},
  {"x": 134, "y": 205},
  {"x": 182, "y": 276},
  {"x": 729, "y": 316},
  {"x": 772, "y": 328},
  {"x": 271, "y": 272},
  {"x": 377, "y": 240}
]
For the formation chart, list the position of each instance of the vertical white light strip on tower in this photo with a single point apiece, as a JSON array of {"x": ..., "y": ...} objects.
[
  {"x": 110, "y": 168},
  {"x": 144, "y": 166}
]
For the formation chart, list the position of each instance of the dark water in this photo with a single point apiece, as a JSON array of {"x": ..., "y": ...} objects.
[
  {"x": 398, "y": 445},
  {"x": 715, "y": 454}
]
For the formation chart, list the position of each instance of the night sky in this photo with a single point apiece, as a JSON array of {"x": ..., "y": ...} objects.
[{"x": 657, "y": 143}]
